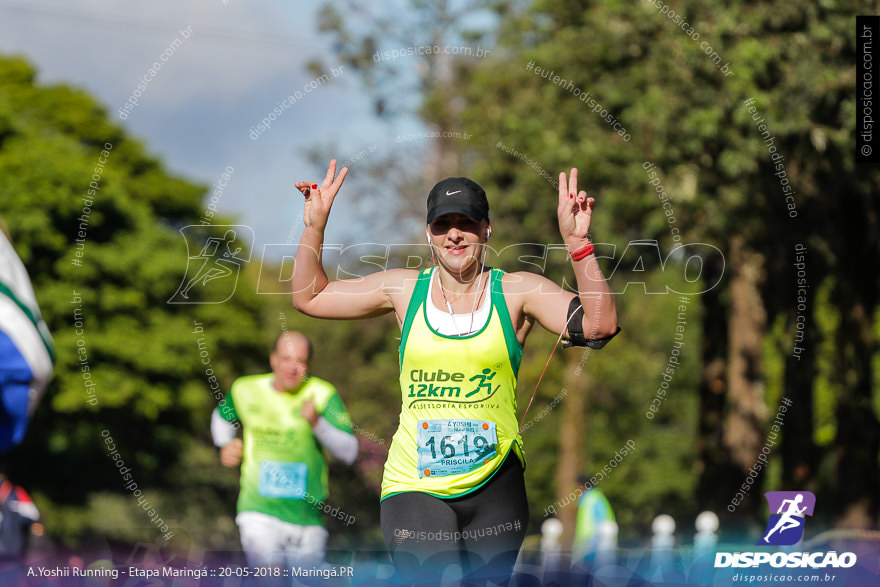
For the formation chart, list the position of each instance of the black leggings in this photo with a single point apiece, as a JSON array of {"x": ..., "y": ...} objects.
[{"x": 481, "y": 531}]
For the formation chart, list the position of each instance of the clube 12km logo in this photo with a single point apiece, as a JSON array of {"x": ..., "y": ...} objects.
[{"x": 788, "y": 515}]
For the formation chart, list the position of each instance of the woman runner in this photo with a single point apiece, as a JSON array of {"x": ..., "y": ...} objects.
[{"x": 453, "y": 490}]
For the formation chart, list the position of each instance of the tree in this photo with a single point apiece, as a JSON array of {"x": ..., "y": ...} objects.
[
  {"x": 96, "y": 220},
  {"x": 725, "y": 124},
  {"x": 689, "y": 113}
]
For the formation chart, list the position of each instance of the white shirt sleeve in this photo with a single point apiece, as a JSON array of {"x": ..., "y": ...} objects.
[
  {"x": 221, "y": 431},
  {"x": 25, "y": 509},
  {"x": 340, "y": 444}
]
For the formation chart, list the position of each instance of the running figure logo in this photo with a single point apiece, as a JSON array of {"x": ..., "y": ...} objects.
[
  {"x": 484, "y": 378},
  {"x": 218, "y": 263},
  {"x": 786, "y": 526}
]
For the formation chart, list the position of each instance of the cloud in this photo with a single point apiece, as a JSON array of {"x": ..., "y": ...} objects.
[
  {"x": 240, "y": 61},
  {"x": 235, "y": 47}
]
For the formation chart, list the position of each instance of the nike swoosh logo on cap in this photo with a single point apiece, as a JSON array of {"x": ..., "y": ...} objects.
[{"x": 448, "y": 193}]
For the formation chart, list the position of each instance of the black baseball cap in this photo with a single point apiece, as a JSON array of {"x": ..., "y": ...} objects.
[{"x": 458, "y": 195}]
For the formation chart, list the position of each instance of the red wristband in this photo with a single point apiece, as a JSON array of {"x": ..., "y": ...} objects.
[{"x": 582, "y": 252}]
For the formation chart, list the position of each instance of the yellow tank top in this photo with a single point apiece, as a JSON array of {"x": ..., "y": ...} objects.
[{"x": 458, "y": 418}]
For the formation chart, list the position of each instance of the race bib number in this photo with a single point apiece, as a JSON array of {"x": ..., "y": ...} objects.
[
  {"x": 283, "y": 480},
  {"x": 452, "y": 447}
]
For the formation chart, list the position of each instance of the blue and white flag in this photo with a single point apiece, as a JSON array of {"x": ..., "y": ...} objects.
[{"x": 26, "y": 348}]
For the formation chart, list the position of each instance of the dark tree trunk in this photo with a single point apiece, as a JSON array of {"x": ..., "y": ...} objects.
[
  {"x": 857, "y": 282},
  {"x": 858, "y": 431},
  {"x": 746, "y": 420},
  {"x": 800, "y": 455},
  {"x": 717, "y": 477}
]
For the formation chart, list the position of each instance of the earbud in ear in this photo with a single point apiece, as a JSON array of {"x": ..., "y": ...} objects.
[{"x": 488, "y": 233}]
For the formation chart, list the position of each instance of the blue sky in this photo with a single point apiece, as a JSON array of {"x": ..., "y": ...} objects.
[{"x": 240, "y": 61}]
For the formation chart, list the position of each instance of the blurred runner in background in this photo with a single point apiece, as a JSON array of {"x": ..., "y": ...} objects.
[
  {"x": 593, "y": 509},
  {"x": 288, "y": 418}
]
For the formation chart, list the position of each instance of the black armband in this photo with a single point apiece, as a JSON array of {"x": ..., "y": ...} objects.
[{"x": 576, "y": 328}]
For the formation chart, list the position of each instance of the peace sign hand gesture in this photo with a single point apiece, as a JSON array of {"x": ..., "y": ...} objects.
[
  {"x": 575, "y": 210},
  {"x": 319, "y": 199}
]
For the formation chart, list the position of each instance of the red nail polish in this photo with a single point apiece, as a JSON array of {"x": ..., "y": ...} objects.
[
  {"x": 571, "y": 196},
  {"x": 314, "y": 186}
]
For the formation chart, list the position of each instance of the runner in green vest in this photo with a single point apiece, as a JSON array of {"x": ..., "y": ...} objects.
[
  {"x": 453, "y": 489},
  {"x": 287, "y": 417},
  {"x": 593, "y": 509}
]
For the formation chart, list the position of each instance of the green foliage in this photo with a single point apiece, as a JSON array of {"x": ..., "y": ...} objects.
[
  {"x": 689, "y": 118},
  {"x": 827, "y": 387},
  {"x": 625, "y": 379},
  {"x": 95, "y": 220}
]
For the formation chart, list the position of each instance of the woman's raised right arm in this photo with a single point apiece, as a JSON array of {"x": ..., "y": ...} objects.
[{"x": 313, "y": 293}]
